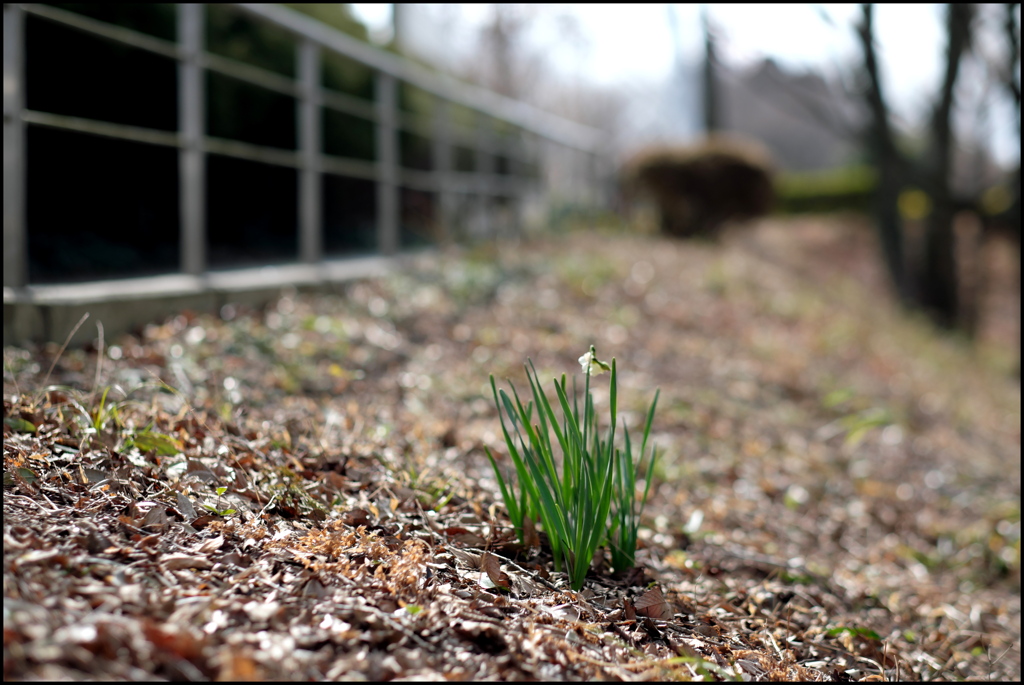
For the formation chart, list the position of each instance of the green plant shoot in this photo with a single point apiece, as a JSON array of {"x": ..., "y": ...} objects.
[{"x": 593, "y": 501}]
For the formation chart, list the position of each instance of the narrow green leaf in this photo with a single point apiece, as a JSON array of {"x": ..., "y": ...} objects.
[
  {"x": 865, "y": 633},
  {"x": 164, "y": 445},
  {"x": 28, "y": 475},
  {"x": 19, "y": 424},
  {"x": 613, "y": 401},
  {"x": 506, "y": 494}
]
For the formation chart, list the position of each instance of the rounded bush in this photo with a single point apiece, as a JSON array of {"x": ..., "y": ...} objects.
[{"x": 697, "y": 188}]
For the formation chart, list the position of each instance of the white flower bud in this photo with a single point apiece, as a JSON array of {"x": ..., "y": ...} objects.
[{"x": 593, "y": 366}]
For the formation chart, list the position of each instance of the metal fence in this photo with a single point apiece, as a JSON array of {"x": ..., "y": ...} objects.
[{"x": 568, "y": 156}]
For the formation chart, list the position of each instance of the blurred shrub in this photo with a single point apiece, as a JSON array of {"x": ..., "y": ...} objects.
[
  {"x": 697, "y": 188},
  {"x": 845, "y": 189}
]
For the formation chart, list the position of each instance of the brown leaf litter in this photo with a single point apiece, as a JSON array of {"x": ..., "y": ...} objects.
[{"x": 301, "y": 492}]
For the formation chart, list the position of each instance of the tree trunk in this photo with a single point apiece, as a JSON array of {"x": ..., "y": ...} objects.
[
  {"x": 712, "y": 117},
  {"x": 889, "y": 163},
  {"x": 939, "y": 289}
]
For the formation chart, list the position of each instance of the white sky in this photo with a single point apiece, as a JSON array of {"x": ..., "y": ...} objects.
[{"x": 631, "y": 43}]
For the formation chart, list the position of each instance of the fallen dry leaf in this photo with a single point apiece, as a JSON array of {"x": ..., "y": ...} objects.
[
  {"x": 489, "y": 564},
  {"x": 176, "y": 562},
  {"x": 652, "y": 604}
]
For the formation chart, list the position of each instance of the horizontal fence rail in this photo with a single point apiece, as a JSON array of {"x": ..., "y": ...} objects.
[{"x": 568, "y": 157}]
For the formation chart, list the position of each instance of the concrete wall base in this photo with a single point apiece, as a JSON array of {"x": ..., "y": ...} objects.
[{"x": 48, "y": 313}]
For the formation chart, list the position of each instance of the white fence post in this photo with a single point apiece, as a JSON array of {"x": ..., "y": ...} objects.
[
  {"x": 15, "y": 235},
  {"x": 192, "y": 129},
  {"x": 387, "y": 164},
  {"x": 310, "y": 224},
  {"x": 485, "y": 173},
  {"x": 443, "y": 167}
]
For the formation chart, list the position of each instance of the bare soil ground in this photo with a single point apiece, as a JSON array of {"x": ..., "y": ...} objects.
[{"x": 302, "y": 492}]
